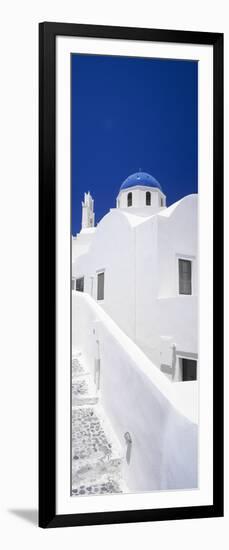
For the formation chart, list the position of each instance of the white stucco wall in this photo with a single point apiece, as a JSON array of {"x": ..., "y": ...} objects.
[
  {"x": 112, "y": 249},
  {"x": 140, "y": 258},
  {"x": 139, "y": 399},
  {"x": 161, "y": 311},
  {"x": 177, "y": 237},
  {"x": 81, "y": 242},
  {"x": 139, "y": 198},
  {"x": 147, "y": 333}
]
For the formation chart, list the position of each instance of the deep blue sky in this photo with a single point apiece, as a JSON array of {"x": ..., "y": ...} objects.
[{"x": 131, "y": 113}]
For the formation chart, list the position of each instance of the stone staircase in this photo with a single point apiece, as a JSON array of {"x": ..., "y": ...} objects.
[
  {"x": 83, "y": 388},
  {"x": 97, "y": 457}
]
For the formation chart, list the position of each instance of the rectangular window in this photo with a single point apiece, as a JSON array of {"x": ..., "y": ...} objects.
[
  {"x": 80, "y": 284},
  {"x": 129, "y": 199},
  {"x": 185, "y": 277},
  {"x": 189, "y": 370},
  {"x": 100, "y": 286},
  {"x": 148, "y": 198}
]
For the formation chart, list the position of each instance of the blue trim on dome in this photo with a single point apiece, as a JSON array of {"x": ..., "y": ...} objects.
[{"x": 140, "y": 178}]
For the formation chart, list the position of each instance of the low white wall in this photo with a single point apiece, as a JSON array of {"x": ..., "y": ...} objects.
[{"x": 139, "y": 399}]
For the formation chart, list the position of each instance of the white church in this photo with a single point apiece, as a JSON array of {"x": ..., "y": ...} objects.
[
  {"x": 140, "y": 264},
  {"x": 135, "y": 318}
]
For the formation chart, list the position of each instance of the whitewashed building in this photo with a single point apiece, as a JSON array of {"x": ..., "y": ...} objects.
[
  {"x": 140, "y": 264},
  {"x": 134, "y": 324}
]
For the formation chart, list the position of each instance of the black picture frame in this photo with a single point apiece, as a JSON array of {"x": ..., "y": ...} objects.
[{"x": 47, "y": 271}]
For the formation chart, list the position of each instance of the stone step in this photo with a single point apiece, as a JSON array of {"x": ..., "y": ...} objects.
[
  {"x": 110, "y": 486},
  {"x": 98, "y": 472},
  {"x": 97, "y": 458},
  {"x": 84, "y": 391},
  {"x": 85, "y": 401},
  {"x": 78, "y": 365}
]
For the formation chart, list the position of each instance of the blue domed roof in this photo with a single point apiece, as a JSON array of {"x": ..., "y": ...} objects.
[{"x": 140, "y": 178}]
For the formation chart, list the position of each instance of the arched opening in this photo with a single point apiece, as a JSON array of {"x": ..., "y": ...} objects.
[
  {"x": 148, "y": 198},
  {"x": 129, "y": 199}
]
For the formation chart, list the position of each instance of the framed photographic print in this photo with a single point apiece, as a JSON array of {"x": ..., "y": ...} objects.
[{"x": 131, "y": 275}]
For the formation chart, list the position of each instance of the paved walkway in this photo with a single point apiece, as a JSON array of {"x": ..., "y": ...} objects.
[{"x": 97, "y": 457}]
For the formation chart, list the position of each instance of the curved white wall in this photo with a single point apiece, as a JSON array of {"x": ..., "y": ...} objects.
[{"x": 139, "y": 399}]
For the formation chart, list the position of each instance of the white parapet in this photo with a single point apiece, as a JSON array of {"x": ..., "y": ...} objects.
[{"x": 141, "y": 401}]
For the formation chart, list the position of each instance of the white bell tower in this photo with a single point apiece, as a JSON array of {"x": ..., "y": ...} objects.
[
  {"x": 142, "y": 193},
  {"x": 88, "y": 216}
]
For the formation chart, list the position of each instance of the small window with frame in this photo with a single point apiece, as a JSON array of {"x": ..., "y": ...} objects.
[
  {"x": 185, "y": 276},
  {"x": 100, "y": 285},
  {"x": 148, "y": 198},
  {"x": 129, "y": 199},
  {"x": 80, "y": 284}
]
